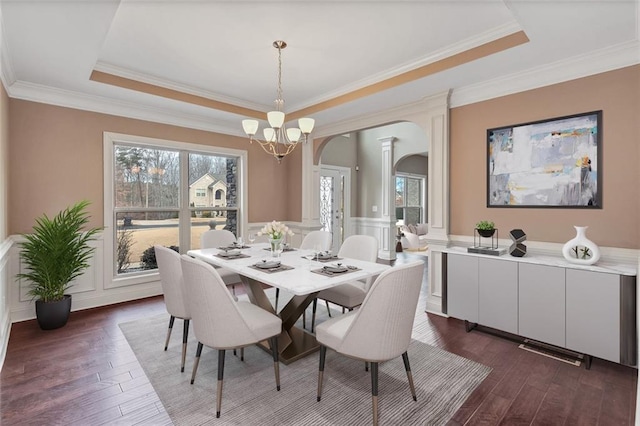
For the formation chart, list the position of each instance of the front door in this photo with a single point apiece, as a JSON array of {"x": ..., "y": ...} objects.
[{"x": 332, "y": 203}]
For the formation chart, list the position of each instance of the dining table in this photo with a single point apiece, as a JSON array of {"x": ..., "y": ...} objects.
[{"x": 302, "y": 273}]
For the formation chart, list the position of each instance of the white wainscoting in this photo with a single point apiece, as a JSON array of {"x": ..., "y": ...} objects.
[
  {"x": 378, "y": 228},
  {"x": 6, "y": 280},
  {"x": 89, "y": 290}
]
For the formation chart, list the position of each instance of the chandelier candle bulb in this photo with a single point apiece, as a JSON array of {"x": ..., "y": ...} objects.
[
  {"x": 269, "y": 134},
  {"x": 275, "y": 119},
  {"x": 294, "y": 134},
  {"x": 250, "y": 126}
]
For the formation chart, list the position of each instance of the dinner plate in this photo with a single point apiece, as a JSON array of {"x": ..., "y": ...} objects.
[
  {"x": 336, "y": 268},
  {"x": 230, "y": 253},
  {"x": 268, "y": 264},
  {"x": 325, "y": 256}
]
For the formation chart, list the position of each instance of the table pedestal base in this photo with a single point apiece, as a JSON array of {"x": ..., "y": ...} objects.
[{"x": 293, "y": 343}]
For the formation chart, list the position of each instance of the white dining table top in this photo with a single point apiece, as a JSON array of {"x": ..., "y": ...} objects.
[{"x": 299, "y": 280}]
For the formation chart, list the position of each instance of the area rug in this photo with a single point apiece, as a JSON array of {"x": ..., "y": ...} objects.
[{"x": 443, "y": 382}]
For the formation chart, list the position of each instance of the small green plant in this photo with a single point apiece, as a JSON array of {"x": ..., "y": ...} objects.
[{"x": 485, "y": 225}]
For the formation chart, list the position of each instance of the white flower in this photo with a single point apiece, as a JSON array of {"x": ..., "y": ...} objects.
[{"x": 275, "y": 230}]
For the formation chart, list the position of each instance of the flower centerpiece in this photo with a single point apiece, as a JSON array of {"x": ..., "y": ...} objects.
[{"x": 276, "y": 232}]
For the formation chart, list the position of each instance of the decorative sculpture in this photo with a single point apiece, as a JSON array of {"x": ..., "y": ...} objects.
[{"x": 517, "y": 249}]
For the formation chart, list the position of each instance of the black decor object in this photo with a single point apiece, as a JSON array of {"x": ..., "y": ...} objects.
[
  {"x": 52, "y": 315},
  {"x": 517, "y": 249}
]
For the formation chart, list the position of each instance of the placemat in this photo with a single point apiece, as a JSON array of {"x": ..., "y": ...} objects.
[
  {"x": 232, "y": 257},
  {"x": 328, "y": 273},
  {"x": 327, "y": 259},
  {"x": 233, "y": 247},
  {"x": 274, "y": 269}
]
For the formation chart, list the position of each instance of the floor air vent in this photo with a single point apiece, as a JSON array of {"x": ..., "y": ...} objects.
[{"x": 554, "y": 352}]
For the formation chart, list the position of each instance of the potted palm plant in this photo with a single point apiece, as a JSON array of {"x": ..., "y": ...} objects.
[{"x": 55, "y": 253}]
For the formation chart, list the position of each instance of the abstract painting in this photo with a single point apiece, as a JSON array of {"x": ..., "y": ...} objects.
[{"x": 550, "y": 163}]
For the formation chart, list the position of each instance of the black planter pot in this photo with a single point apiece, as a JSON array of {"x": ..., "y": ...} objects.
[
  {"x": 486, "y": 233},
  {"x": 52, "y": 315}
]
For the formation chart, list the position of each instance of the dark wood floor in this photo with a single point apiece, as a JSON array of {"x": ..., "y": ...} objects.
[{"x": 86, "y": 374}]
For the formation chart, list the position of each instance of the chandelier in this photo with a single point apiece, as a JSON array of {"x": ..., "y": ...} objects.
[{"x": 278, "y": 140}]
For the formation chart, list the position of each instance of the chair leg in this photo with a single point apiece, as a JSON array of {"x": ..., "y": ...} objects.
[
  {"x": 304, "y": 319},
  {"x": 185, "y": 337},
  {"x": 276, "y": 359},
  {"x": 366, "y": 366},
  {"x": 171, "y": 320},
  {"x": 233, "y": 289},
  {"x": 374, "y": 391},
  {"x": 241, "y": 354},
  {"x": 220, "y": 379},
  {"x": 277, "y": 297},
  {"x": 196, "y": 362},
  {"x": 323, "y": 355},
  {"x": 328, "y": 310},
  {"x": 405, "y": 358},
  {"x": 313, "y": 314}
]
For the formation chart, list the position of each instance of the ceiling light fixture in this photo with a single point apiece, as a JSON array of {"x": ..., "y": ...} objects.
[{"x": 278, "y": 140}]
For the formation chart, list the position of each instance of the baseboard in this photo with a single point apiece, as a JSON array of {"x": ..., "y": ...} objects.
[
  {"x": 79, "y": 304},
  {"x": 5, "y": 330}
]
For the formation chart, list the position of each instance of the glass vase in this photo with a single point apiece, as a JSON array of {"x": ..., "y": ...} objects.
[{"x": 276, "y": 246}]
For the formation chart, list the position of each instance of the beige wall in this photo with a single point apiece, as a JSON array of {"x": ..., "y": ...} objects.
[
  {"x": 55, "y": 159},
  {"x": 4, "y": 162},
  {"x": 617, "y": 94}
]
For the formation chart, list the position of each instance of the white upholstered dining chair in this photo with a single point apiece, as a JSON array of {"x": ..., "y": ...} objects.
[
  {"x": 314, "y": 240},
  {"x": 351, "y": 294},
  {"x": 170, "y": 271},
  {"x": 221, "y": 322},
  {"x": 380, "y": 329},
  {"x": 215, "y": 238}
]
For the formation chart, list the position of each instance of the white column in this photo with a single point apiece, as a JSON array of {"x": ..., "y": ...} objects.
[
  {"x": 388, "y": 232},
  {"x": 437, "y": 124},
  {"x": 310, "y": 190}
]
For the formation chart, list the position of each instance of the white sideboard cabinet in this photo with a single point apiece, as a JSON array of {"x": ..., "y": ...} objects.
[
  {"x": 541, "y": 303},
  {"x": 590, "y": 310}
]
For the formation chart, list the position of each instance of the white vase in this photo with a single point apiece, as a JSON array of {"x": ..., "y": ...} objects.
[{"x": 581, "y": 250}]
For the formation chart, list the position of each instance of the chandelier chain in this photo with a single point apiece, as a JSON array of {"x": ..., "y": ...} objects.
[{"x": 279, "y": 101}]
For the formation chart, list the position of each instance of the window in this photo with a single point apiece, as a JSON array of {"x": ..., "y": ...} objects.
[
  {"x": 409, "y": 199},
  {"x": 151, "y": 187},
  {"x": 219, "y": 194}
]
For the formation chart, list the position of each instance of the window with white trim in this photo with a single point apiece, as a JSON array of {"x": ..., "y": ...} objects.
[
  {"x": 152, "y": 201},
  {"x": 409, "y": 199}
]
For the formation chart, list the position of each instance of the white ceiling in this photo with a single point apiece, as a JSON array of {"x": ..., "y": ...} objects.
[{"x": 222, "y": 50}]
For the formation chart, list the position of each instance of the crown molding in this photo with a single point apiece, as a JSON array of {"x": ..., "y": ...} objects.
[
  {"x": 603, "y": 60},
  {"x": 387, "y": 116},
  {"x": 454, "y": 49},
  {"x": 70, "y": 99},
  {"x": 155, "y": 81},
  {"x": 622, "y": 55}
]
